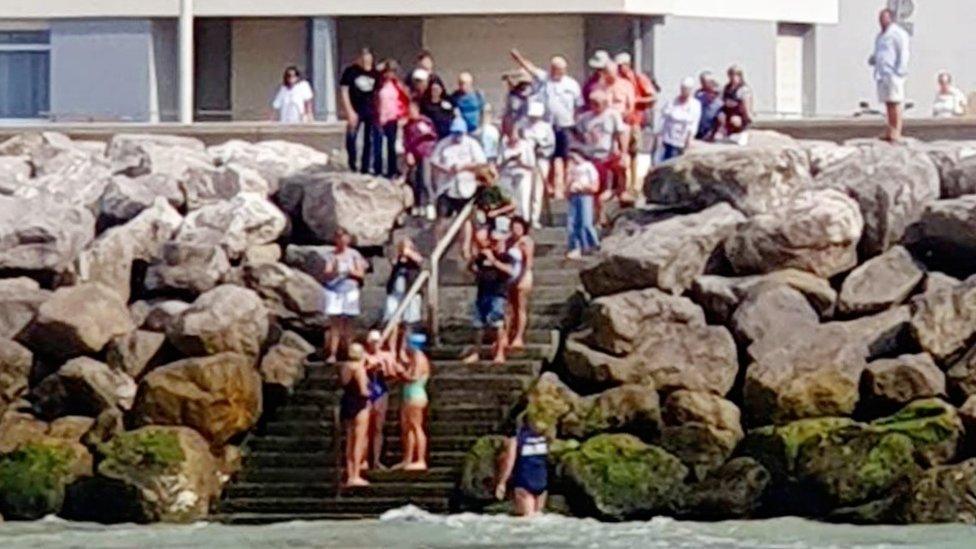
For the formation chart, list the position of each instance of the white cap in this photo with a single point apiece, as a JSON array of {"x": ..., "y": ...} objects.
[
  {"x": 622, "y": 58},
  {"x": 536, "y": 109},
  {"x": 688, "y": 83},
  {"x": 420, "y": 74},
  {"x": 600, "y": 59},
  {"x": 374, "y": 336}
]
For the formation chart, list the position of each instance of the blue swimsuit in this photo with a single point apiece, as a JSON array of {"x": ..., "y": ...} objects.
[{"x": 531, "y": 467}]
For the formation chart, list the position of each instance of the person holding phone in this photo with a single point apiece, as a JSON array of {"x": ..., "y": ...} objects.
[{"x": 345, "y": 270}]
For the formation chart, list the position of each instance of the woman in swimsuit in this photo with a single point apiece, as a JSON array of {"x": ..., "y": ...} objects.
[
  {"x": 380, "y": 365},
  {"x": 415, "y": 373},
  {"x": 526, "y": 455},
  {"x": 518, "y": 294},
  {"x": 354, "y": 411}
]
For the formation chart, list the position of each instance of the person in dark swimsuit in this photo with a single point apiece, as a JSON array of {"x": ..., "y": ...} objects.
[
  {"x": 525, "y": 462},
  {"x": 354, "y": 412}
]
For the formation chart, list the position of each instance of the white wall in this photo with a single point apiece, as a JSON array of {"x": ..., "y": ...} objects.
[{"x": 685, "y": 46}]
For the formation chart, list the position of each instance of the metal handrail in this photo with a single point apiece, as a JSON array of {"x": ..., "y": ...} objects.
[{"x": 431, "y": 276}]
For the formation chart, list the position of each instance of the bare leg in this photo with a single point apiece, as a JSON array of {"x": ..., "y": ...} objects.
[
  {"x": 418, "y": 456},
  {"x": 335, "y": 327},
  {"x": 406, "y": 438},
  {"x": 559, "y": 178},
  {"x": 359, "y": 433},
  {"x": 475, "y": 355},
  {"x": 377, "y": 419},
  {"x": 540, "y": 503},
  {"x": 525, "y": 504},
  {"x": 895, "y": 122},
  {"x": 501, "y": 345},
  {"x": 520, "y": 306}
]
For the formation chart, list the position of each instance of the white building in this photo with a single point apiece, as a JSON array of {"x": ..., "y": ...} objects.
[{"x": 119, "y": 60}]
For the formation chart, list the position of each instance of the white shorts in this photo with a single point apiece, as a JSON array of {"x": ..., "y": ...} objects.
[
  {"x": 891, "y": 89},
  {"x": 342, "y": 303},
  {"x": 411, "y": 315}
]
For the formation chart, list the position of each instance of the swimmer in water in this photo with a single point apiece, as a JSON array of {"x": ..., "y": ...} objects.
[{"x": 525, "y": 462}]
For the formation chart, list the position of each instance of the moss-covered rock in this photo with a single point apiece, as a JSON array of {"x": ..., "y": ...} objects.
[
  {"x": 617, "y": 477},
  {"x": 934, "y": 427},
  {"x": 776, "y": 447},
  {"x": 631, "y": 408},
  {"x": 152, "y": 474},
  {"x": 734, "y": 491},
  {"x": 479, "y": 470},
  {"x": 33, "y": 478},
  {"x": 853, "y": 465},
  {"x": 550, "y": 403},
  {"x": 942, "y": 494},
  {"x": 701, "y": 429}
]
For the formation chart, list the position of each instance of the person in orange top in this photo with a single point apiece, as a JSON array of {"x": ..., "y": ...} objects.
[
  {"x": 392, "y": 103},
  {"x": 644, "y": 100}
]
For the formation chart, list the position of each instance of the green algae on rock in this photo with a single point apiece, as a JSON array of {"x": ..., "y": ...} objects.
[
  {"x": 479, "y": 469},
  {"x": 933, "y": 426},
  {"x": 777, "y": 447},
  {"x": 617, "y": 477},
  {"x": 33, "y": 479}
]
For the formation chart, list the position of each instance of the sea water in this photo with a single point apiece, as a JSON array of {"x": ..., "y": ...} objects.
[{"x": 412, "y": 528}]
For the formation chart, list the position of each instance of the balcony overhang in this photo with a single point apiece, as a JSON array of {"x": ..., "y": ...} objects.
[{"x": 798, "y": 11}]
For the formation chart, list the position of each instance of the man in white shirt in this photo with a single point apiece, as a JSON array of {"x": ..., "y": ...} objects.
[
  {"x": 890, "y": 62},
  {"x": 680, "y": 118},
  {"x": 562, "y": 96},
  {"x": 454, "y": 161}
]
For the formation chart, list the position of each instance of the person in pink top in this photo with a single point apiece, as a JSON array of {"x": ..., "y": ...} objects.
[
  {"x": 419, "y": 139},
  {"x": 392, "y": 100}
]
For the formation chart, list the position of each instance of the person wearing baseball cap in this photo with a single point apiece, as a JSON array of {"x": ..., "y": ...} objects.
[
  {"x": 645, "y": 97},
  {"x": 680, "y": 119},
  {"x": 543, "y": 139}
]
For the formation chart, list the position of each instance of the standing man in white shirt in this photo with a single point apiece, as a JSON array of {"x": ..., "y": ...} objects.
[
  {"x": 890, "y": 62},
  {"x": 680, "y": 118}
]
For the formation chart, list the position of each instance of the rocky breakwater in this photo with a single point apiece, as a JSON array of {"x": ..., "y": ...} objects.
[
  {"x": 774, "y": 335},
  {"x": 148, "y": 307}
]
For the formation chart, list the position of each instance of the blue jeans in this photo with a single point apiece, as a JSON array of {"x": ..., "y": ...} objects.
[
  {"x": 579, "y": 221},
  {"x": 670, "y": 151},
  {"x": 367, "y": 161},
  {"x": 388, "y": 137}
]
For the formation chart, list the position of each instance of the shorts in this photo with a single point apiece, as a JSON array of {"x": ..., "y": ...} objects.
[
  {"x": 891, "y": 89},
  {"x": 448, "y": 206},
  {"x": 562, "y": 142},
  {"x": 610, "y": 172},
  {"x": 342, "y": 303},
  {"x": 489, "y": 311},
  {"x": 411, "y": 315}
]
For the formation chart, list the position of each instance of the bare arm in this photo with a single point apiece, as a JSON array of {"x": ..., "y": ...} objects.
[
  {"x": 309, "y": 111},
  {"x": 362, "y": 381},
  {"x": 524, "y": 63},
  {"x": 346, "y": 103},
  {"x": 506, "y": 464}
]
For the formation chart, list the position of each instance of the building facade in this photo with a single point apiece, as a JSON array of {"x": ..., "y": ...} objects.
[{"x": 118, "y": 60}]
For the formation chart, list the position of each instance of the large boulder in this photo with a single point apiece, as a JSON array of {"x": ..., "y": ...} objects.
[
  {"x": 273, "y": 160},
  {"x": 41, "y": 235},
  {"x": 225, "y": 319},
  {"x": 618, "y": 477},
  {"x": 160, "y": 315},
  {"x": 310, "y": 260},
  {"x": 34, "y": 475},
  {"x": 934, "y": 427},
  {"x": 813, "y": 375},
  {"x": 720, "y": 296},
  {"x": 770, "y": 314},
  {"x": 945, "y": 235},
  {"x": 893, "y": 382},
  {"x": 551, "y": 406},
  {"x": 84, "y": 387},
  {"x": 140, "y": 154},
  {"x": 219, "y": 396},
  {"x": 134, "y": 352},
  {"x": 942, "y": 494},
  {"x": 733, "y": 491},
  {"x": 851, "y": 466},
  {"x": 817, "y": 231},
  {"x": 186, "y": 268},
  {"x": 879, "y": 283},
  {"x": 667, "y": 255},
  {"x": 944, "y": 322},
  {"x": 284, "y": 363},
  {"x": 125, "y": 197},
  {"x": 77, "y": 320},
  {"x": 777, "y": 447},
  {"x": 618, "y": 323},
  {"x": 752, "y": 179},
  {"x": 20, "y": 299},
  {"x": 698, "y": 358},
  {"x": 892, "y": 185},
  {"x": 885, "y": 334},
  {"x": 479, "y": 469},
  {"x": 367, "y": 207},
  {"x": 153, "y": 474},
  {"x": 701, "y": 429},
  {"x": 955, "y": 162},
  {"x": 205, "y": 184},
  {"x": 292, "y": 296},
  {"x": 80, "y": 182},
  {"x": 15, "y": 366},
  {"x": 246, "y": 220}
]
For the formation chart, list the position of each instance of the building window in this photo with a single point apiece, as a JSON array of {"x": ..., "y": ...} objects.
[{"x": 25, "y": 59}]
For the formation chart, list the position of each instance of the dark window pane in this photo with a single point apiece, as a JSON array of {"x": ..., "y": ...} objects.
[
  {"x": 25, "y": 37},
  {"x": 24, "y": 83}
]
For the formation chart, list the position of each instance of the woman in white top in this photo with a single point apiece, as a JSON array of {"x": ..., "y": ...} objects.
[
  {"x": 293, "y": 103},
  {"x": 680, "y": 121},
  {"x": 516, "y": 168},
  {"x": 949, "y": 100}
]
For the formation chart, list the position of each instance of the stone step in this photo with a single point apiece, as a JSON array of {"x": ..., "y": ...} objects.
[
  {"x": 327, "y": 474},
  {"x": 318, "y": 444},
  {"x": 449, "y": 410},
  {"x": 254, "y": 519},
  {"x": 461, "y": 319},
  {"x": 541, "y": 264},
  {"x": 547, "y": 295},
  {"x": 417, "y": 487},
  {"x": 441, "y": 381},
  {"x": 568, "y": 279},
  {"x": 311, "y": 429},
  {"x": 438, "y": 458},
  {"x": 346, "y": 504},
  {"x": 454, "y": 351},
  {"x": 319, "y": 371},
  {"x": 465, "y": 335}
]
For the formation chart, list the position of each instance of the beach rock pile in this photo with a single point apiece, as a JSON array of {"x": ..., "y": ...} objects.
[
  {"x": 794, "y": 326},
  {"x": 146, "y": 307}
]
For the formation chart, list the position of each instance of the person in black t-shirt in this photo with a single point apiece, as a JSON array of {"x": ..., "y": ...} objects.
[
  {"x": 437, "y": 106},
  {"x": 493, "y": 268},
  {"x": 357, "y": 91}
]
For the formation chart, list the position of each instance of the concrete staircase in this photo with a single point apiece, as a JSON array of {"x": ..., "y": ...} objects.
[{"x": 291, "y": 469}]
